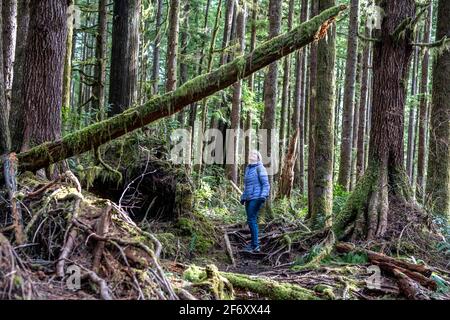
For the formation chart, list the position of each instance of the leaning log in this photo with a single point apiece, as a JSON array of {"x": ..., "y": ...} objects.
[{"x": 162, "y": 106}]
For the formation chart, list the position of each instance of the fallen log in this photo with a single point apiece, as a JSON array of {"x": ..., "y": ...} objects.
[
  {"x": 408, "y": 287},
  {"x": 379, "y": 258},
  {"x": 198, "y": 88},
  {"x": 263, "y": 286}
]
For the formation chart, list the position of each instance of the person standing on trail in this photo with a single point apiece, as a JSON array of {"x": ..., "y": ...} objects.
[{"x": 256, "y": 192}]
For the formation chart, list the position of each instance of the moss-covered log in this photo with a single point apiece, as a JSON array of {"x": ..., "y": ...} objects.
[
  {"x": 260, "y": 285},
  {"x": 170, "y": 103}
]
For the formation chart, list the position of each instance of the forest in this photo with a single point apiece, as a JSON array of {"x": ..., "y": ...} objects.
[{"x": 224, "y": 150}]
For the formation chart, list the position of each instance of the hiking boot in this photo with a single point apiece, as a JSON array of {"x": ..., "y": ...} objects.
[
  {"x": 248, "y": 248},
  {"x": 257, "y": 249}
]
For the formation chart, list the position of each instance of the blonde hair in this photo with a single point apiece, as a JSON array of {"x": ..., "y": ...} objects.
[{"x": 258, "y": 154}]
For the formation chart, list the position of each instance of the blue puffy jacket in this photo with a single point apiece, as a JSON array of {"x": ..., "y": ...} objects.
[{"x": 256, "y": 182}]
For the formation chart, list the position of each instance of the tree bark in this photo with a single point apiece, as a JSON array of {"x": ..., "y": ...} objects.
[
  {"x": 299, "y": 106},
  {"x": 16, "y": 114},
  {"x": 156, "y": 48},
  {"x": 285, "y": 92},
  {"x": 311, "y": 113},
  {"x": 366, "y": 212},
  {"x": 101, "y": 43},
  {"x": 44, "y": 63},
  {"x": 349, "y": 98},
  {"x": 172, "y": 45},
  {"x": 438, "y": 181},
  {"x": 232, "y": 168},
  {"x": 360, "y": 164},
  {"x": 322, "y": 204},
  {"x": 271, "y": 84},
  {"x": 412, "y": 119},
  {"x": 170, "y": 103},
  {"x": 423, "y": 107},
  {"x": 124, "y": 55},
  {"x": 5, "y": 141},
  {"x": 67, "y": 75},
  {"x": 9, "y": 12}
]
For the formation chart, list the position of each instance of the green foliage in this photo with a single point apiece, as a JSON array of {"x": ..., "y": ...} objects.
[{"x": 340, "y": 197}]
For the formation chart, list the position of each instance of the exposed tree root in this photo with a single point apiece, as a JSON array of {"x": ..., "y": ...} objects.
[{"x": 70, "y": 228}]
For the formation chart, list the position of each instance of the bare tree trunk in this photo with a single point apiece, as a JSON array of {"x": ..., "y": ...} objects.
[
  {"x": 232, "y": 168},
  {"x": 271, "y": 84},
  {"x": 412, "y": 118},
  {"x": 44, "y": 63},
  {"x": 9, "y": 12},
  {"x": 124, "y": 55},
  {"x": 366, "y": 213},
  {"x": 100, "y": 58},
  {"x": 356, "y": 125},
  {"x": 285, "y": 92},
  {"x": 360, "y": 164},
  {"x": 251, "y": 79},
  {"x": 5, "y": 141},
  {"x": 299, "y": 107},
  {"x": 438, "y": 180},
  {"x": 67, "y": 75},
  {"x": 322, "y": 204},
  {"x": 311, "y": 114},
  {"x": 349, "y": 98},
  {"x": 17, "y": 112},
  {"x": 172, "y": 46},
  {"x": 156, "y": 48},
  {"x": 423, "y": 110}
]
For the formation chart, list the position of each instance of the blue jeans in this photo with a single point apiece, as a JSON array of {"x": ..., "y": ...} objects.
[{"x": 252, "y": 207}]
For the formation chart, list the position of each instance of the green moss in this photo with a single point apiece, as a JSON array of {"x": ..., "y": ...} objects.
[
  {"x": 325, "y": 290},
  {"x": 201, "y": 231},
  {"x": 269, "y": 288},
  {"x": 357, "y": 201},
  {"x": 212, "y": 279}
]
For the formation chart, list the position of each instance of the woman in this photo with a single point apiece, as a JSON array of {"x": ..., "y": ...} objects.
[{"x": 256, "y": 192}]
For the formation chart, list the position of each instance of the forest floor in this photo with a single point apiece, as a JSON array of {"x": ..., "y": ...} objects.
[{"x": 89, "y": 245}]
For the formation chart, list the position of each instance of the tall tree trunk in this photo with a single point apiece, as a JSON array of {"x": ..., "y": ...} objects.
[
  {"x": 356, "y": 124},
  {"x": 366, "y": 213},
  {"x": 17, "y": 112},
  {"x": 271, "y": 84},
  {"x": 232, "y": 168},
  {"x": 156, "y": 47},
  {"x": 423, "y": 107},
  {"x": 285, "y": 92},
  {"x": 251, "y": 80},
  {"x": 172, "y": 45},
  {"x": 412, "y": 118},
  {"x": 324, "y": 127},
  {"x": 124, "y": 55},
  {"x": 5, "y": 141},
  {"x": 438, "y": 180},
  {"x": 9, "y": 12},
  {"x": 311, "y": 113},
  {"x": 349, "y": 98},
  {"x": 299, "y": 107},
  {"x": 67, "y": 75},
  {"x": 44, "y": 63},
  {"x": 100, "y": 58},
  {"x": 360, "y": 164},
  {"x": 183, "y": 50},
  {"x": 170, "y": 103}
]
